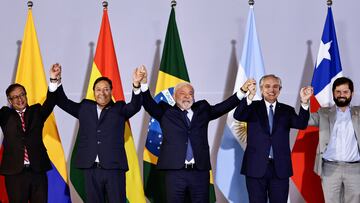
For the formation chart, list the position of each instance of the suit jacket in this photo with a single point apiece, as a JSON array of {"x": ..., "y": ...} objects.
[
  {"x": 176, "y": 131},
  {"x": 259, "y": 138},
  {"x": 15, "y": 138},
  {"x": 102, "y": 136},
  {"x": 325, "y": 119}
]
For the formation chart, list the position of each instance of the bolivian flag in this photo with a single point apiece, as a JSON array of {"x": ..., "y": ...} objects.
[{"x": 105, "y": 64}]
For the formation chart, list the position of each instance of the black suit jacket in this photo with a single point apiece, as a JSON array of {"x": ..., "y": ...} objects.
[
  {"x": 104, "y": 136},
  {"x": 175, "y": 130},
  {"x": 15, "y": 138},
  {"x": 259, "y": 138}
]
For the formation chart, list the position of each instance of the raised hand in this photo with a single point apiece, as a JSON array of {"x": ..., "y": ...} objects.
[
  {"x": 305, "y": 94},
  {"x": 144, "y": 72},
  {"x": 246, "y": 85},
  {"x": 252, "y": 90},
  {"x": 55, "y": 73}
]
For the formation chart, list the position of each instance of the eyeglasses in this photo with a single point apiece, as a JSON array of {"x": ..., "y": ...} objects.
[{"x": 20, "y": 96}]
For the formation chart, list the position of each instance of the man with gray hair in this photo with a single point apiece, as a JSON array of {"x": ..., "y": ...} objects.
[
  {"x": 267, "y": 161},
  {"x": 184, "y": 153}
]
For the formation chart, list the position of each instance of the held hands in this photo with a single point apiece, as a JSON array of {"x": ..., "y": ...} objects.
[
  {"x": 55, "y": 73},
  {"x": 305, "y": 94},
  {"x": 249, "y": 86},
  {"x": 144, "y": 72},
  {"x": 139, "y": 76}
]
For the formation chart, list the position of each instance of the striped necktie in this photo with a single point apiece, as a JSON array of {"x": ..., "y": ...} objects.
[{"x": 26, "y": 156}]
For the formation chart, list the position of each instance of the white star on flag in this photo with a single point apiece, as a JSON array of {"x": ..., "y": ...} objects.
[{"x": 323, "y": 52}]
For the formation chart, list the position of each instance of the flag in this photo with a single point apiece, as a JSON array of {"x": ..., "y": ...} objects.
[
  {"x": 229, "y": 159},
  {"x": 30, "y": 73},
  {"x": 105, "y": 64},
  {"x": 171, "y": 72},
  {"x": 327, "y": 69}
]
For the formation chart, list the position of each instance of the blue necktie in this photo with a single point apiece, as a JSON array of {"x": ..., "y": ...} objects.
[
  {"x": 189, "y": 151},
  {"x": 271, "y": 120}
]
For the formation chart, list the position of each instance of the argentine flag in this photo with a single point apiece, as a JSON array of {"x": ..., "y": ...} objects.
[{"x": 229, "y": 158}]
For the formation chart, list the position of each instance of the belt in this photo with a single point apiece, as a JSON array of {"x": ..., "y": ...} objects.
[
  {"x": 341, "y": 162},
  {"x": 270, "y": 160},
  {"x": 189, "y": 166},
  {"x": 96, "y": 165}
]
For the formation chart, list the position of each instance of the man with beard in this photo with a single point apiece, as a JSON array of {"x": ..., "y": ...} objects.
[
  {"x": 184, "y": 154},
  {"x": 337, "y": 156}
]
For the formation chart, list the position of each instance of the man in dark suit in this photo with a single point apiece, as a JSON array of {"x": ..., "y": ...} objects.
[
  {"x": 25, "y": 160},
  {"x": 100, "y": 142},
  {"x": 267, "y": 161},
  {"x": 184, "y": 153}
]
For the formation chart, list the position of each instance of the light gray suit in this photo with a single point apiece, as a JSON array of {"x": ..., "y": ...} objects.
[{"x": 325, "y": 119}]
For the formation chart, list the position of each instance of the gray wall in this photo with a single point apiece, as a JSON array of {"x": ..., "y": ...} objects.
[{"x": 211, "y": 34}]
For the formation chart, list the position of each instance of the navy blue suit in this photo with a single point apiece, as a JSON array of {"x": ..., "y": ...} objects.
[
  {"x": 102, "y": 136},
  {"x": 176, "y": 132},
  {"x": 256, "y": 164}
]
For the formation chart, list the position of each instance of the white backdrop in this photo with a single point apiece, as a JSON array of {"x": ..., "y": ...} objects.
[{"x": 211, "y": 33}]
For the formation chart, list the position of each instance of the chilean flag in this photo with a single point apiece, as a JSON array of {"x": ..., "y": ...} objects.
[{"x": 327, "y": 69}]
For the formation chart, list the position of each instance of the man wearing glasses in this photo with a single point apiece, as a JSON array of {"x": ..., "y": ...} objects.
[{"x": 25, "y": 160}]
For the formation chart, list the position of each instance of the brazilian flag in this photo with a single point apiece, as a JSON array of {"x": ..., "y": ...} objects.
[{"x": 171, "y": 72}]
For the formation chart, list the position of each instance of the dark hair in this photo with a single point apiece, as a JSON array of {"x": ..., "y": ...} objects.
[
  {"x": 342, "y": 81},
  {"x": 99, "y": 79},
  {"x": 12, "y": 87}
]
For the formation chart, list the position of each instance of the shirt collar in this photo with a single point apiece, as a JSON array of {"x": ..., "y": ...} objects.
[{"x": 268, "y": 104}]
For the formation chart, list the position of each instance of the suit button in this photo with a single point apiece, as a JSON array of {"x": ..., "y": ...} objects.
[
  {"x": 98, "y": 142},
  {"x": 99, "y": 131}
]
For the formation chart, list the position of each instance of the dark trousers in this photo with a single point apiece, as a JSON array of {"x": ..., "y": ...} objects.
[
  {"x": 105, "y": 185},
  {"x": 268, "y": 187},
  {"x": 187, "y": 182},
  {"x": 27, "y": 186}
]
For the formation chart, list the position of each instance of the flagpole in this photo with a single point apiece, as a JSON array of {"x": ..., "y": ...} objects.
[
  {"x": 173, "y": 3},
  {"x": 30, "y": 4},
  {"x": 105, "y": 4},
  {"x": 329, "y": 2}
]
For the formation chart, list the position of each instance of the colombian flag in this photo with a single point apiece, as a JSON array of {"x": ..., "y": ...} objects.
[
  {"x": 105, "y": 64},
  {"x": 172, "y": 71},
  {"x": 30, "y": 73}
]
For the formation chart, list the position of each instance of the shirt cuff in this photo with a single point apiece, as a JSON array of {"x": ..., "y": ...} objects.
[
  {"x": 53, "y": 86},
  {"x": 305, "y": 106},
  {"x": 248, "y": 101},
  {"x": 136, "y": 91},
  {"x": 144, "y": 87},
  {"x": 240, "y": 95}
]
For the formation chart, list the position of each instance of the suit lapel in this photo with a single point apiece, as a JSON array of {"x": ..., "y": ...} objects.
[
  {"x": 332, "y": 117},
  {"x": 277, "y": 114},
  {"x": 104, "y": 111},
  {"x": 182, "y": 115},
  {"x": 264, "y": 119}
]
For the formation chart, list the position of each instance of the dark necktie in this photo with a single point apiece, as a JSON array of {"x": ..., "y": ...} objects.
[
  {"x": 26, "y": 156},
  {"x": 189, "y": 151},
  {"x": 271, "y": 120}
]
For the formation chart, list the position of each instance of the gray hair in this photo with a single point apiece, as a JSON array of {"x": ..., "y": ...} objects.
[
  {"x": 182, "y": 84},
  {"x": 270, "y": 76}
]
